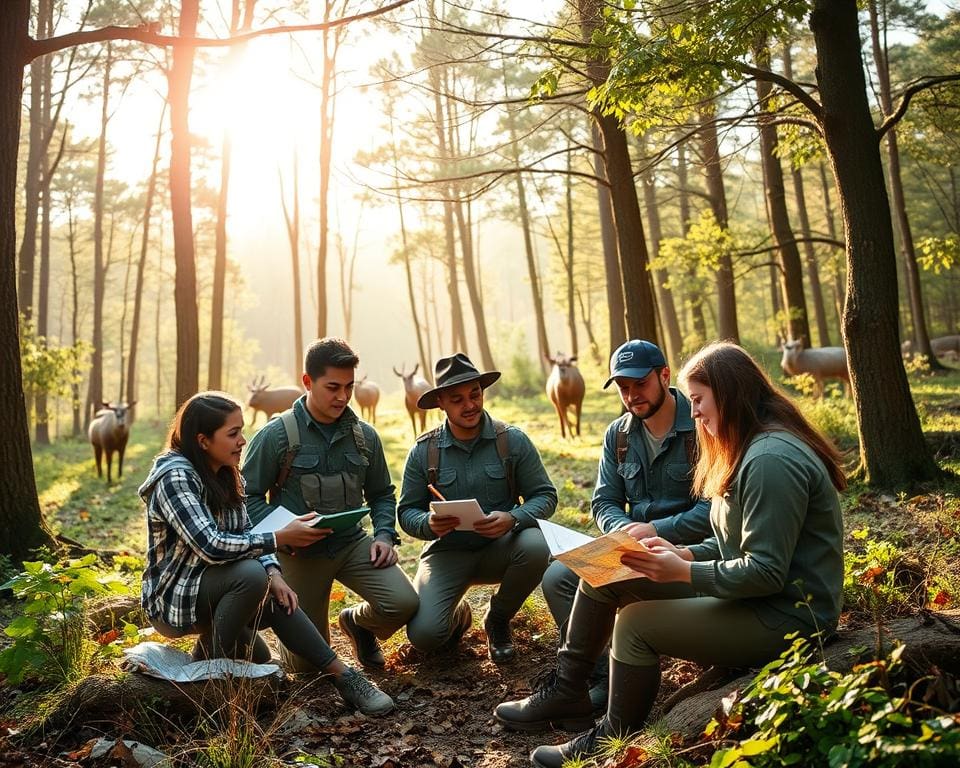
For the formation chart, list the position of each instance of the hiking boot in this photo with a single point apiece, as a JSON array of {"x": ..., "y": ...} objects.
[
  {"x": 499, "y": 638},
  {"x": 577, "y": 748},
  {"x": 460, "y": 622},
  {"x": 366, "y": 648},
  {"x": 558, "y": 701},
  {"x": 361, "y": 694}
]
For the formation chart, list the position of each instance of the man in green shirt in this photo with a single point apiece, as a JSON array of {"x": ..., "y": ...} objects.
[
  {"x": 319, "y": 457},
  {"x": 472, "y": 456}
]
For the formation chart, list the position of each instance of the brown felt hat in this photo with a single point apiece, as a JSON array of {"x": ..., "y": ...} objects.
[{"x": 451, "y": 371}]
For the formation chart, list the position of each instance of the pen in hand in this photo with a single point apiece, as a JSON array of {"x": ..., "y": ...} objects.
[{"x": 435, "y": 492}]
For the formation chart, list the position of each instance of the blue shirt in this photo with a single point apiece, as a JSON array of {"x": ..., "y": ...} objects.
[{"x": 657, "y": 492}]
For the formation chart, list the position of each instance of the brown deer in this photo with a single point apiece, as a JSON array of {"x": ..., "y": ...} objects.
[
  {"x": 108, "y": 433},
  {"x": 413, "y": 387},
  {"x": 367, "y": 394},
  {"x": 565, "y": 389},
  {"x": 270, "y": 401}
]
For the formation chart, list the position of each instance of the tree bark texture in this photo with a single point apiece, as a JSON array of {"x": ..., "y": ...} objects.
[
  {"x": 668, "y": 309},
  {"x": 920, "y": 335},
  {"x": 727, "y": 325},
  {"x": 185, "y": 282},
  {"x": 616, "y": 313},
  {"x": 21, "y": 523},
  {"x": 791, "y": 276},
  {"x": 291, "y": 218},
  {"x": 95, "y": 381},
  {"x": 892, "y": 448},
  {"x": 694, "y": 298}
]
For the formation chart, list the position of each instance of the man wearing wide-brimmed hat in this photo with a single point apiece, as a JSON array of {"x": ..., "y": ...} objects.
[{"x": 473, "y": 456}]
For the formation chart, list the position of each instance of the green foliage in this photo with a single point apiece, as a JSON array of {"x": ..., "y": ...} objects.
[
  {"x": 50, "y": 639},
  {"x": 47, "y": 368},
  {"x": 522, "y": 376},
  {"x": 798, "y": 712},
  {"x": 939, "y": 254}
]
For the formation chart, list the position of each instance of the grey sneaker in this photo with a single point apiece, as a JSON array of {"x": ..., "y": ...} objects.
[{"x": 361, "y": 694}]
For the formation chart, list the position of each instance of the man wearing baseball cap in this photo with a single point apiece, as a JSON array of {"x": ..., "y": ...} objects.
[
  {"x": 643, "y": 487},
  {"x": 473, "y": 456}
]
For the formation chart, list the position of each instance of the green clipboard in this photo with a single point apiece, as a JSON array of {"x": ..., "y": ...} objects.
[{"x": 342, "y": 521}]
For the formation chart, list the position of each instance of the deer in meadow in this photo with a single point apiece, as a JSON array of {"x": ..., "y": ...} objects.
[{"x": 565, "y": 389}]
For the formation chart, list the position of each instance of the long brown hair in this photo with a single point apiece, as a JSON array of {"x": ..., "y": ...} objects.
[
  {"x": 747, "y": 404},
  {"x": 203, "y": 414}
]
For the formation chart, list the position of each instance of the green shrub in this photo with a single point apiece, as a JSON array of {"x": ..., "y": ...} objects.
[
  {"x": 798, "y": 712},
  {"x": 50, "y": 640},
  {"x": 878, "y": 579}
]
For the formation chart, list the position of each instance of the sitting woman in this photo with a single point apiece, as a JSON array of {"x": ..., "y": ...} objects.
[
  {"x": 773, "y": 566},
  {"x": 206, "y": 572}
]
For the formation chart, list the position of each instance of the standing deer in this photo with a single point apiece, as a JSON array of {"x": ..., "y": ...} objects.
[
  {"x": 820, "y": 362},
  {"x": 270, "y": 401},
  {"x": 413, "y": 387},
  {"x": 108, "y": 432},
  {"x": 367, "y": 394},
  {"x": 565, "y": 389}
]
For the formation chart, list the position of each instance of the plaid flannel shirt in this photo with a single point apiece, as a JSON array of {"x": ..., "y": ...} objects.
[{"x": 184, "y": 538}]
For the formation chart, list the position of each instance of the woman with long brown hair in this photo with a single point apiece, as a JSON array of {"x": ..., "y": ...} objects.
[
  {"x": 773, "y": 566},
  {"x": 207, "y": 573}
]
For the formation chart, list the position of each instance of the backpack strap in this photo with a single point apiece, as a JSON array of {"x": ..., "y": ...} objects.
[
  {"x": 503, "y": 451},
  {"x": 433, "y": 453},
  {"x": 359, "y": 439},
  {"x": 622, "y": 443},
  {"x": 292, "y": 429}
]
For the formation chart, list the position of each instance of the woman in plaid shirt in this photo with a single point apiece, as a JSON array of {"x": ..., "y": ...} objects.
[{"x": 207, "y": 573}]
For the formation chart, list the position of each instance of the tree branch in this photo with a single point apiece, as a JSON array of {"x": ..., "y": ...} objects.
[
  {"x": 912, "y": 90},
  {"x": 149, "y": 34},
  {"x": 788, "y": 85}
]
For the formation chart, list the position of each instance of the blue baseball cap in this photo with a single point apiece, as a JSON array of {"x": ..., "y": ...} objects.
[{"x": 635, "y": 359}]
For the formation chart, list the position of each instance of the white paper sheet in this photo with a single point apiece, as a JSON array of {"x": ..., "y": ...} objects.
[
  {"x": 168, "y": 663},
  {"x": 561, "y": 539},
  {"x": 468, "y": 510},
  {"x": 274, "y": 521}
]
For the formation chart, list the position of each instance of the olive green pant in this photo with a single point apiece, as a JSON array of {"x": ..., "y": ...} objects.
[
  {"x": 390, "y": 599},
  {"x": 233, "y": 604},
  {"x": 672, "y": 620},
  {"x": 516, "y": 561}
]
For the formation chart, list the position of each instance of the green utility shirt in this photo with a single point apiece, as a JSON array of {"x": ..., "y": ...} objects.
[
  {"x": 367, "y": 471},
  {"x": 643, "y": 491},
  {"x": 475, "y": 471},
  {"x": 779, "y": 524}
]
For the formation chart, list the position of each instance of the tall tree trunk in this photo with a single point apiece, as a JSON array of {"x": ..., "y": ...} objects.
[
  {"x": 640, "y": 309},
  {"x": 921, "y": 337},
  {"x": 792, "y": 273},
  {"x": 21, "y": 523},
  {"x": 668, "y": 310},
  {"x": 327, "y": 102},
  {"x": 291, "y": 218},
  {"x": 45, "y": 29},
  {"x": 74, "y": 317},
  {"x": 473, "y": 289},
  {"x": 569, "y": 261},
  {"x": 31, "y": 190},
  {"x": 694, "y": 297},
  {"x": 892, "y": 447},
  {"x": 727, "y": 326},
  {"x": 810, "y": 253},
  {"x": 616, "y": 314},
  {"x": 185, "y": 282},
  {"x": 405, "y": 249},
  {"x": 131, "y": 394},
  {"x": 95, "y": 383},
  {"x": 837, "y": 286},
  {"x": 215, "y": 360}
]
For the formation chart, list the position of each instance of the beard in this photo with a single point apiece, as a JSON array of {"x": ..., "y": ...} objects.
[{"x": 649, "y": 408}]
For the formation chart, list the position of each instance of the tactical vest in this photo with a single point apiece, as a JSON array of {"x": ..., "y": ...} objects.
[
  {"x": 503, "y": 451},
  {"x": 292, "y": 429}
]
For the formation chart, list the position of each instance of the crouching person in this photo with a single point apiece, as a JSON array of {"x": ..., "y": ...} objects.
[
  {"x": 472, "y": 456},
  {"x": 207, "y": 573},
  {"x": 773, "y": 566}
]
